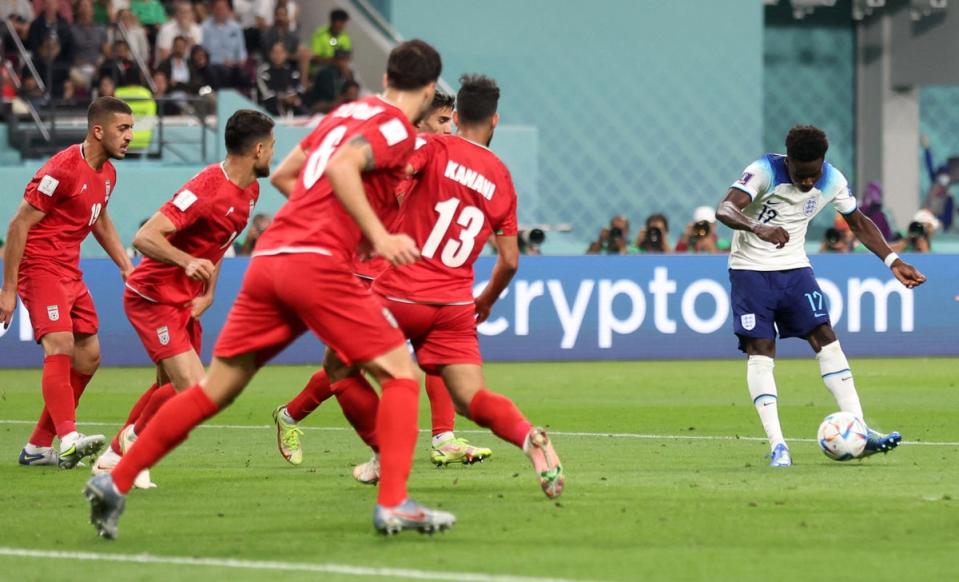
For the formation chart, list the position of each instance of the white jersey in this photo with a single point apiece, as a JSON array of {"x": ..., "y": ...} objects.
[{"x": 777, "y": 202}]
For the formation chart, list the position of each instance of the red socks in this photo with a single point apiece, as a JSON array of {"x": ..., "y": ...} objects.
[
  {"x": 160, "y": 397},
  {"x": 442, "y": 411},
  {"x": 498, "y": 413},
  {"x": 316, "y": 391},
  {"x": 44, "y": 432},
  {"x": 58, "y": 394},
  {"x": 173, "y": 422},
  {"x": 396, "y": 431},
  {"x": 360, "y": 404}
]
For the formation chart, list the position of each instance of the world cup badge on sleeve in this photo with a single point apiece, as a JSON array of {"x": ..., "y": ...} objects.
[
  {"x": 748, "y": 321},
  {"x": 163, "y": 333},
  {"x": 809, "y": 207},
  {"x": 53, "y": 312}
]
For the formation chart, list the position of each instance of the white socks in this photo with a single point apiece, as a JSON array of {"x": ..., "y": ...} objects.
[
  {"x": 441, "y": 438},
  {"x": 837, "y": 377},
  {"x": 762, "y": 389},
  {"x": 285, "y": 415}
]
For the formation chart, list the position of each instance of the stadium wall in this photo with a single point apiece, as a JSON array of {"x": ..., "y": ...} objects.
[
  {"x": 641, "y": 107},
  {"x": 604, "y": 308}
]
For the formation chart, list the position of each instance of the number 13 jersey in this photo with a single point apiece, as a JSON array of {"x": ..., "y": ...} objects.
[
  {"x": 777, "y": 202},
  {"x": 463, "y": 194}
]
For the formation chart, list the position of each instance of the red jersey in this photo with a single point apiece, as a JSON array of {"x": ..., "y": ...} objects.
[
  {"x": 313, "y": 220},
  {"x": 463, "y": 194},
  {"x": 72, "y": 195},
  {"x": 209, "y": 212}
]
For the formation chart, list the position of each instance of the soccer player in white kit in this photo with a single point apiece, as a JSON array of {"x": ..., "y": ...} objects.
[{"x": 774, "y": 290}]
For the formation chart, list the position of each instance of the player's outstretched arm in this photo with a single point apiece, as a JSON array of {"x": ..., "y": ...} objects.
[
  {"x": 730, "y": 213},
  {"x": 507, "y": 263},
  {"x": 344, "y": 171},
  {"x": 867, "y": 232},
  {"x": 152, "y": 241},
  {"x": 106, "y": 234},
  {"x": 285, "y": 176},
  {"x": 20, "y": 225}
]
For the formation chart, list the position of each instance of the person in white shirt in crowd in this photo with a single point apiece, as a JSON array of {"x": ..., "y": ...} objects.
[{"x": 182, "y": 24}]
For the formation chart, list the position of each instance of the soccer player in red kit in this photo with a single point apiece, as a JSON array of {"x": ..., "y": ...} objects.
[
  {"x": 301, "y": 278},
  {"x": 353, "y": 392},
  {"x": 464, "y": 194},
  {"x": 66, "y": 201},
  {"x": 182, "y": 245}
]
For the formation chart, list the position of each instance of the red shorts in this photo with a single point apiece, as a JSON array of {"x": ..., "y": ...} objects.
[
  {"x": 165, "y": 330},
  {"x": 284, "y": 295},
  {"x": 55, "y": 304},
  {"x": 440, "y": 334}
]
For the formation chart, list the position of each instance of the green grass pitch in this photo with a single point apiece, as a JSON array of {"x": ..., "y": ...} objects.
[{"x": 640, "y": 503}]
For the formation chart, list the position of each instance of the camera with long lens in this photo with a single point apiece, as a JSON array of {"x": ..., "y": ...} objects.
[
  {"x": 701, "y": 229},
  {"x": 653, "y": 240},
  {"x": 833, "y": 236},
  {"x": 533, "y": 237},
  {"x": 917, "y": 230}
]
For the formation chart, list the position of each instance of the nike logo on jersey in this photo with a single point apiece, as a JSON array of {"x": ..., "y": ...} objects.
[
  {"x": 471, "y": 179},
  {"x": 84, "y": 189},
  {"x": 771, "y": 202}
]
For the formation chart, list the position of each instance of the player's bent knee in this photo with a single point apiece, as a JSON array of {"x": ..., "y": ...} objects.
[{"x": 58, "y": 343}]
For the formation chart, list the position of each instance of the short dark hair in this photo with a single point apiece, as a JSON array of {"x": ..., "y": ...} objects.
[
  {"x": 654, "y": 217},
  {"x": 806, "y": 143},
  {"x": 412, "y": 65},
  {"x": 180, "y": 37},
  {"x": 442, "y": 101},
  {"x": 104, "y": 107},
  {"x": 245, "y": 128},
  {"x": 339, "y": 15},
  {"x": 477, "y": 98},
  {"x": 347, "y": 86}
]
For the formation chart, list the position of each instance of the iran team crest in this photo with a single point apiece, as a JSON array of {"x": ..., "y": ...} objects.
[
  {"x": 53, "y": 312},
  {"x": 809, "y": 207},
  {"x": 748, "y": 321},
  {"x": 163, "y": 334}
]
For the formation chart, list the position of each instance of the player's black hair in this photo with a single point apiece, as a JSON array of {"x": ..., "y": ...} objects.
[
  {"x": 412, "y": 65},
  {"x": 102, "y": 108},
  {"x": 442, "y": 101},
  {"x": 477, "y": 98},
  {"x": 806, "y": 143},
  {"x": 245, "y": 128},
  {"x": 339, "y": 15}
]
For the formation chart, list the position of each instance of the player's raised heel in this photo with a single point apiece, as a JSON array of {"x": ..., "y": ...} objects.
[
  {"x": 410, "y": 515},
  {"x": 39, "y": 456},
  {"x": 287, "y": 437},
  {"x": 877, "y": 442},
  {"x": 780, "y": 457},
  {"x": 457, "y": 450},
  {"x": 71, "y": 453},
  {"x": 368, "y": 473},
  {"x": 106, "y": 505},
  {"x": 549, "y": 471}
]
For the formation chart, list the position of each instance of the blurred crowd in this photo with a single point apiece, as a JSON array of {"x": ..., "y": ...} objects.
[{"x": 76, "y": 50}]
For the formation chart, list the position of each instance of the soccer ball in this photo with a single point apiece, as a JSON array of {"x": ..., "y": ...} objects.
[{"x": 842, "y": 436}]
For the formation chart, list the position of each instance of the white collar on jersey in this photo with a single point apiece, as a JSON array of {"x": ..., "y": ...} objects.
[{"x": 477, "y": 144}]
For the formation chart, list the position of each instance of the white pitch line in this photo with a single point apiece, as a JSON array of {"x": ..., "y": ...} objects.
[
  {"x": 615, "y": 435},
  {"x": 271, "y": 565}
]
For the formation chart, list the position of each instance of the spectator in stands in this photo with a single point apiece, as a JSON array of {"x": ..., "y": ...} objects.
[
  {"x": 20, "y": 15},
  {"x": 292, "y": 13},
  {"x": 121, "y": 67},
  {"x": 654, "y": 237},
  {"x": 63, "y": 7},
  {"x": 259, "y": 224},
  {"x": 254, "y": 16},
  {"x": 871, "y": 206},
  {"x": 278, "y": 84},
  {"x": 89, "y": 43},
  {"x": 835, "y": 241},
  {"x": 166, "y": 104},
  {"x": 103, "y": 12},
  {"x": 223, "y": 39},
  {"x": 613, "y": 239},
  {"x": 200, "y": 61},
  {"x": 938, "y": 199},
  {"x": 179, "y": 70},
  {"x": 50, "y": 23},
  {"x": 918, "y": 238},
  {"x": 183, "y": 24},
  {"x": 281, "y": 31},
  {"x": 105, "y": 88},
  {"x": 54, "y": 72},
  {"x": 136, "y": 35},
  {"x": 328, "y": 39},
  {"x": 350, "y": 92},
  {"x": 328, "y": 83},
  {"x": 701, "y": 235}
]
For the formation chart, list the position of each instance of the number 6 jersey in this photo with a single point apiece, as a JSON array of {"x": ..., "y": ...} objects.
[
  {"x": 72, "y": 195},
  {"x": 777, "y": 202},
  {"x": 463, "y": 194}
]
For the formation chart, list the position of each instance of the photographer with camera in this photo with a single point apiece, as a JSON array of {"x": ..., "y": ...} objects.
[
  {"x": 700, "y": 235},
  {"x": 834, "y": 241},
  {"x": 918, "y": 237},
  {"x": 655, "y": 237},
  {"x": 530, "y": 240},
  {"x": 612, "y": 240}
]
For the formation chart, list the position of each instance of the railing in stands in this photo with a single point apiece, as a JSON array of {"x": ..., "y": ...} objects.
[{"x": 144, "y": 69}]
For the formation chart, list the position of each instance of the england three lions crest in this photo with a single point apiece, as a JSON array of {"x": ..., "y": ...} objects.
[
  {"x": 748, "y": 321},
  {"x": 809, "y": 207}
]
